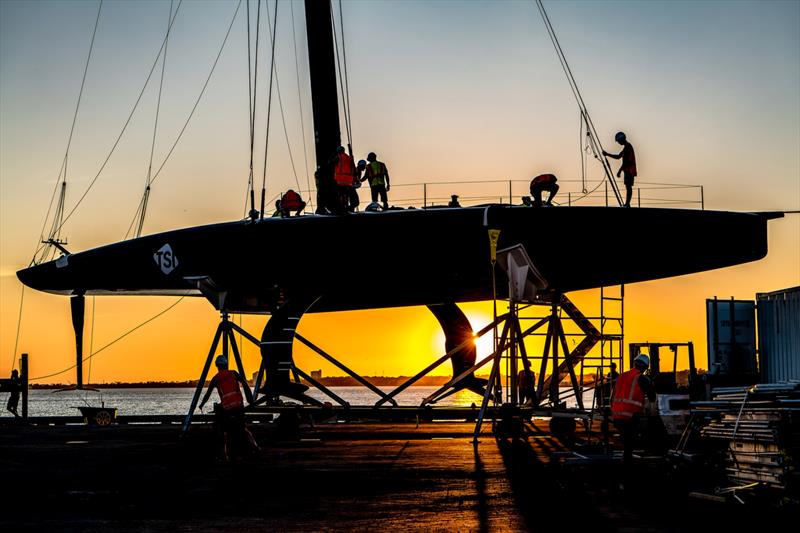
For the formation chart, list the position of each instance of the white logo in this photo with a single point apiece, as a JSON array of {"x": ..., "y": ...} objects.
[{"x": 165, "y": 258}]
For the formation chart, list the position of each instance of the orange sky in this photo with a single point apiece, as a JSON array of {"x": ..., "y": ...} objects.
[{"x": 456, "y": 99}]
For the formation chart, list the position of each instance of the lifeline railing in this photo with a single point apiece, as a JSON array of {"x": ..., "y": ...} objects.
[{"x": 439, "y": 194}]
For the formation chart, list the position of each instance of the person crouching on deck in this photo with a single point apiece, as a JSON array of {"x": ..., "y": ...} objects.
[
  {"x": 230, "y": 411},
  {"x": 543, "y": 182}
]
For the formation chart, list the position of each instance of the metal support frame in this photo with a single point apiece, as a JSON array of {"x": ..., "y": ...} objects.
[{"x": 225, "y": 333}]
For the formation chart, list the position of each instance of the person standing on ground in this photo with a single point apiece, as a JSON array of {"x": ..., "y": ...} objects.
[
  {"x": 378, "y": 178},
  {"x": 13, "y": 399},
  {"x": 544, "y": 182},
  {"x": 627, "y": 404},
  {"x": 526, "y": 384},
  {"x": 628, "y": 167},
  {"x": 230, "y": 410}
]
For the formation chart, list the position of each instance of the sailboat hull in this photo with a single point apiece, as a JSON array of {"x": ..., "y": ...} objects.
[{"x": 406, "y": 257}]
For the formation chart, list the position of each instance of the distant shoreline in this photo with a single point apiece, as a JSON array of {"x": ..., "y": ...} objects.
[{"x": 331, "y": 381}]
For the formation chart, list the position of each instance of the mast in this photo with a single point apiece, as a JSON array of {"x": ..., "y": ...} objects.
[{"x": 322, "y": 69}]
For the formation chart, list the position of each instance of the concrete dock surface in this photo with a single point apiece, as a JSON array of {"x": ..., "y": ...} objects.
[{"x": 362, "y": 477}]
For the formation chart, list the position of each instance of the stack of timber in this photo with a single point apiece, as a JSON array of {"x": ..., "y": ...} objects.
[{"x": 758, "y": 429}]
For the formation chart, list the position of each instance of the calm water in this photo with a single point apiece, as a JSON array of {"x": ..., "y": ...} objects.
[{"x": 176, "y": 401}]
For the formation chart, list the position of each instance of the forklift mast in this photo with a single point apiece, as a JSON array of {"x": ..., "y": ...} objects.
[{"x": 665, "y": 376}]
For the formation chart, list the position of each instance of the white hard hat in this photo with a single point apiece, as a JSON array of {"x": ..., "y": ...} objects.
[
  {"x": 221, "y": 360},
  {"x": 642, "y": 359}
]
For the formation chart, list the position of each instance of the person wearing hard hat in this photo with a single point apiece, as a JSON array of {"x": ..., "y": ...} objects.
[
  {"x": 628, "y": 166},
  {"x": 627, "y": 403},
  {"x": 378, "y": 178},
  {"x": 544, "y": 182},
  {"x": 230, "y": 410}
]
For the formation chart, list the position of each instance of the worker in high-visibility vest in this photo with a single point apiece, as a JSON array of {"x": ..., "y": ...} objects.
[
  {"x": 344, "y": 174},
  {"x": 230, "y": 411},
  {"x": 291, "y": 202},
  {"x": 378, "y": 178},
  {"x": 627, "y": 403},
  {"x": 628, "y": 166},
  {"x": 544, "y": 182}
]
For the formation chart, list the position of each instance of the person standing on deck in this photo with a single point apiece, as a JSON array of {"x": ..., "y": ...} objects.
[
  {"x": 628, "y": 167},
  {"x": 230, "y": 410},
  {"x": 627, "y": 404},
  {"x": 378, "y": 178},
  {"x": 344, "y": 174},
  {"x": 13, "y": 399}
]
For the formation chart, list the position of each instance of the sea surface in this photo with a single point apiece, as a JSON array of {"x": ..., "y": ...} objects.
[{"x": 176, "y": 401}]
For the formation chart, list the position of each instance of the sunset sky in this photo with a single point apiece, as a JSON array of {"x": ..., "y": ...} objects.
[{"x": 708, "y": 93}]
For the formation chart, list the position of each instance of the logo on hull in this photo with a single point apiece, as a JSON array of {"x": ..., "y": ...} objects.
[{"x": 165, "y": 259}]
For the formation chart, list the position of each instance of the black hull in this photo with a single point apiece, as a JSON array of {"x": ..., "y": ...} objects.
[{"x": 409, "y": 257}]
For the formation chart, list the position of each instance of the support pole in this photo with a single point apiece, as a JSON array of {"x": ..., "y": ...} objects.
[
  {"x": 23, "y": 370},
  {"x": 234, "y": 347},
  {"x": 493, "y": 377},
  {"x": 343, "y": 367},
  {"x": 554, "y": 382},
  {"x": 322, "y": 388},
  {"x": 202, "y": 381}
]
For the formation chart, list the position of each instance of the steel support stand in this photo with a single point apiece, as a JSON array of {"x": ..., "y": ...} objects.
[{"x": 203, "y": 375}]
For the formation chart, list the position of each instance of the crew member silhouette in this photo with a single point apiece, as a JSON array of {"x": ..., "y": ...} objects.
[{"x": 628, "y": 167}]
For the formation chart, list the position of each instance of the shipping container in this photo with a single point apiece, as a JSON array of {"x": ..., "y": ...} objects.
[{"x": 779, "y": 335}]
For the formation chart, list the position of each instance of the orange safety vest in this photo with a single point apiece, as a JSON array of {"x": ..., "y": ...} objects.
[
  {"x": 291, "y": 200},
  {"x": 345, "y": 171},
  {"x": 228, "y": 388},
  {"x": 628, "y": 397}
]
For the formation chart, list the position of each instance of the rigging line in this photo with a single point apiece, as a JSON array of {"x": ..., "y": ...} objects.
[
  {"x": 249, "y": 102},
  {"x": 583, "y": 154},
  {"x": 199, "y": 96},
  {"x": 62, "y": 170},
  {"x": 286, "y": 133},
  {"x": 89, "y": 357},
  {"x": 19, "y": 324},
  {"x": 283, "y": 120},
  {"x": 577, "y": 94},
  {"x": 252, "y": 89},
  {"x": 346, "y": 81},
  {"x": 300, "y": 102},
  {"x": 274, "y": 38},
  {"x": 341, "y": 76},
  {"x": 155, "y": 128},
  {"x": 124, "y": 127}
]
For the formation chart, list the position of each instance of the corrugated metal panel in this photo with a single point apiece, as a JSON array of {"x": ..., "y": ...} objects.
[{"x": 779, "y": 335}]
